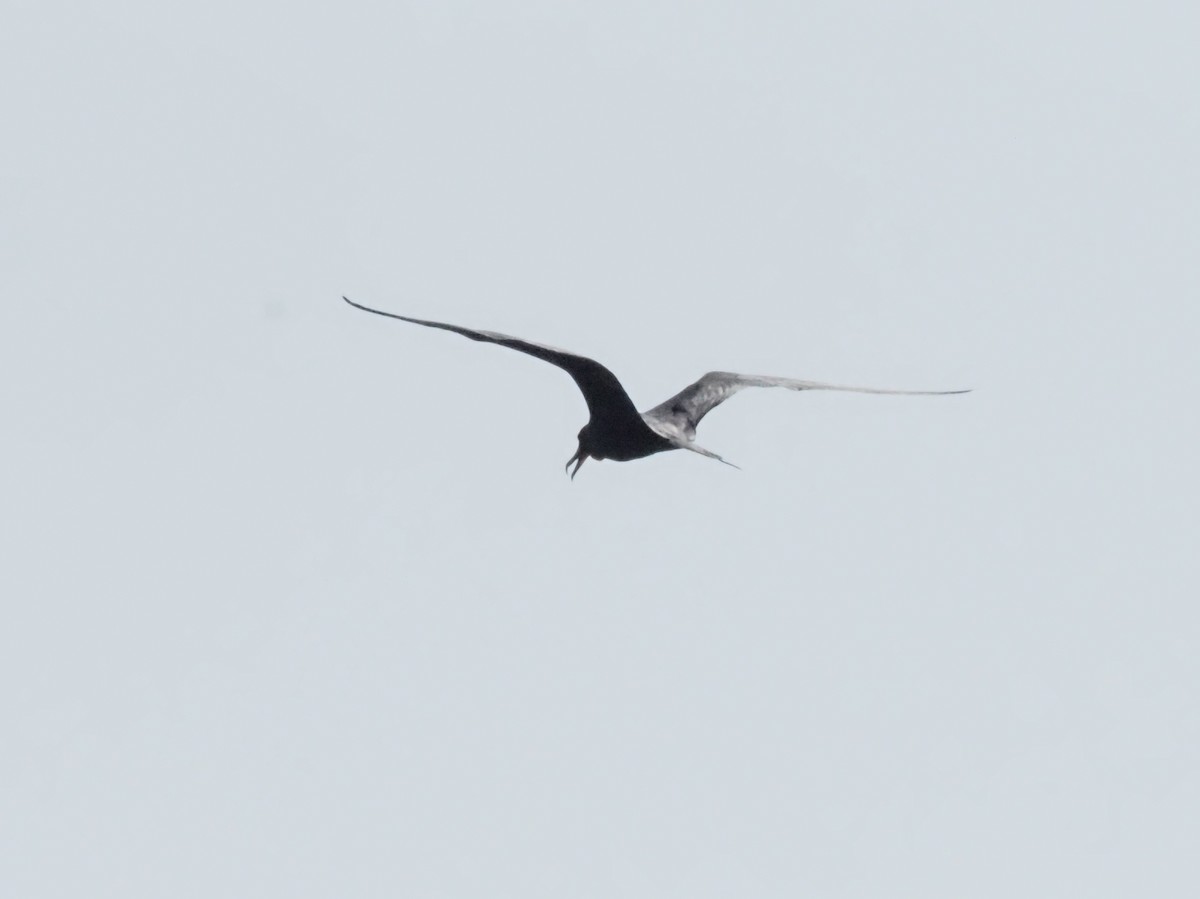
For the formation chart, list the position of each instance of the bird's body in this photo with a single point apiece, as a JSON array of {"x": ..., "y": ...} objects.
[
  {"x": 616, "y": 430},
  {"x": 626, "y": 443}
]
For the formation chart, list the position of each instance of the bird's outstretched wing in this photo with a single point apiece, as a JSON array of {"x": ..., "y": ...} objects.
[
  {"x": 682, "y": 412},
  {"x": 606, "y": 399}
]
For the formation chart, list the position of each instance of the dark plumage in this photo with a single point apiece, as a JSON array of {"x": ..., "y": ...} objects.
[{"x": 616, "y": 430}]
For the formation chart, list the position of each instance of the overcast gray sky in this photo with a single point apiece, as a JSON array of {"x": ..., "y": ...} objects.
[{"x": 299, "y": 602}]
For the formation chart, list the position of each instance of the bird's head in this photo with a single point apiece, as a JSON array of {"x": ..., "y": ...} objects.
[{"x": 583, "y": 453}]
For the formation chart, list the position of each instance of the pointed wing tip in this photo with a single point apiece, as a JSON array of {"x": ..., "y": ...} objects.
[
  {"x": 381, "y": 312},
  {"x": 367, "y": 308}
]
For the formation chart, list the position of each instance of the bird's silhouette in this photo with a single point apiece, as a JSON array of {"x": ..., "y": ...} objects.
[{"x": 615, "y": 429}]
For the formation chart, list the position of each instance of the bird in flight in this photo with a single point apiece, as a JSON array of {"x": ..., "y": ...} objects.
[{"x": 615, "y": 429}]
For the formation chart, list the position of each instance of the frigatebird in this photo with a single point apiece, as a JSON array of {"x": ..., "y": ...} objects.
[{"x": 615, "y": 429}]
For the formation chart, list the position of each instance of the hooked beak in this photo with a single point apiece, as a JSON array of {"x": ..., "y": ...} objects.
[{"x": 579, "y": 458}]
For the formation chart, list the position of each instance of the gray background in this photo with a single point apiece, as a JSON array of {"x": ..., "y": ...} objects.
[{"x": 298, "y": 601}]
